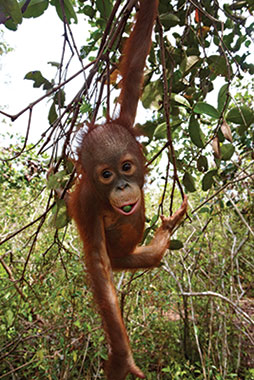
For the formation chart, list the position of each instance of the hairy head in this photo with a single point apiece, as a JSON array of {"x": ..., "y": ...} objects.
[{"x": 114, "y": 164}]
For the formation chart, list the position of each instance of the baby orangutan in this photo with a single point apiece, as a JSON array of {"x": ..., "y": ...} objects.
[{"x": 108, "y": 202}]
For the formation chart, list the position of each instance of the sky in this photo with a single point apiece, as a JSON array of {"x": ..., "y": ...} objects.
[{"x": 35, "y": 43}]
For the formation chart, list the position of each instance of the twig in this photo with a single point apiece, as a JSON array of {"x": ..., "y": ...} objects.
[
  {"x": 9, "y": 272},
  {"x": 218, "y": 295}
]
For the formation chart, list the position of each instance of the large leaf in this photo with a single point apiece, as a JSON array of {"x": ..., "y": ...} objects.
[
  {"x": 11, "y": 8},
  {"x": 241, "y": 115},
  {"x": 59, "y": 218},
  {"x": 152, "y": 95},
  {"x": 161, "y": 130},
  {"x": 218, "y": 65},
  {"x": 188, "y": 63},
  {"x": 196, "y": 134},
  {"x": 189, "y": 182},
  {"x": 181, "y": 100},
  {"x": 203, "y": 108},
  {"x": 104, "y": 7},
  {"x": 35, "y": 8},
  {"x": 227, "y": 151},
  {"x": 223, "y": 98},
  {"x": 208, "y": 180},
  {"x": 169, "y": 20}
]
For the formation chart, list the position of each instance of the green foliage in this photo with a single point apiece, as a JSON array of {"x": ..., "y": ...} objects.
[
  {"x": 38, "y": 79},
  {"x": 11, "y": 8},
  {"x": 35, "y": 8},
  {"x": 48, "y": 322},
  {"x": 12, "y": 12}
]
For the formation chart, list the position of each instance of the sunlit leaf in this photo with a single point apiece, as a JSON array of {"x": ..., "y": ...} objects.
[
  {"x": 181, "y": 100},
  {"x": 9, "y": 317},
  {"x": 189, "y": 62}
]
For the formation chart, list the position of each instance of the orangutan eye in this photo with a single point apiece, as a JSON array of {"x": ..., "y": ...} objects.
[
  {"x": 126, "y": 166},
  {"x": 106, "y": 174}
]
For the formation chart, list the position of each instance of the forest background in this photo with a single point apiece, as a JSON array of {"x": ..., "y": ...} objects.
[{"x": 192, "y": 318}]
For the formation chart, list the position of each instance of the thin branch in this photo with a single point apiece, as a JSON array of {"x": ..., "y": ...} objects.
[
  {"x": 218, "y": 295},
  {"x": 9, "y": 272}
]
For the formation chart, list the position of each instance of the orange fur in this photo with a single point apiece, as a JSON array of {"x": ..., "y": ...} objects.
[{"x": 108, "y": 202}]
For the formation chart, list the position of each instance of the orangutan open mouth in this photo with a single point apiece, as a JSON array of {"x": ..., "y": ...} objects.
[{"x": 128, "y": 208}]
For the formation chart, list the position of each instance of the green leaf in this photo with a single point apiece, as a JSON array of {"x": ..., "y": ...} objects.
[
  {"x": 204, "y": 210},
  {"x": 195, "y": 132},
  {"x": 181, "y": 100},
  {"x": 35, "y": 8},
  {"x": 208, "y": 180},
  {"x": 202, "y": 164},
  {"x": 9, "y": 317},
  {"x": 188, "y": 63},
  {"x": 151, "y": 95},
  {"x": 52, "y": 116},
  {"x": 11, "y": 8},
  {"x": 189, "y": 182},
  {"x": 89, "y": 11},
  {"x": 57, "y": 180},
  {"x": 223, "y": 98},
  {"x": 161, "y": 130},
  {"x": 54, "y": 64},
  {"x": 227, "y": 151},
  {"x": 59, "y": 98},
  {"x": 169, "y": 20},
  {"x": 59, "y": 218},
  {"x": 203, "y": 108},
  {"x": 39, "y": 80},
  {"x": 218, "y": 65},
  {"x": 10, "y": 24},
  {"x": 147, "y": 129},
  {"x": 104, "y": 7},
  {"x": 241, "y": 115},
  {"x": 68, "y": 9},
  {"x": 175, "y": 244}
]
